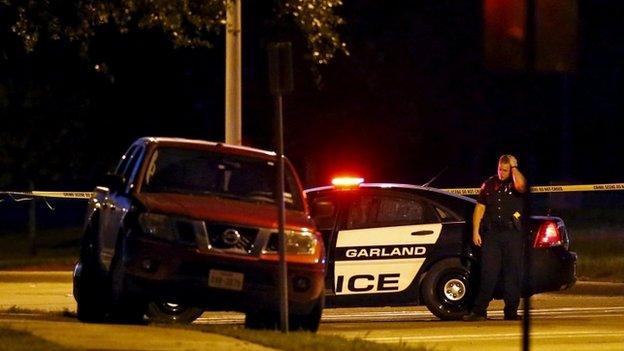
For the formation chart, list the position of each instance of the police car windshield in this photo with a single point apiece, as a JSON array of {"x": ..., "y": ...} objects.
[{"x": 204, "y": 172}]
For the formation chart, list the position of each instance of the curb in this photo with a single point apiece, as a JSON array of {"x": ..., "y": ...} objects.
[
  {"x": 39, "y": 277},
  {"x": 594, "y": 288},
  {"x": 580, "y": 288}
]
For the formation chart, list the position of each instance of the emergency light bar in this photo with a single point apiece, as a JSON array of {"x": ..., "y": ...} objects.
[{"x": 347, "y": 181}]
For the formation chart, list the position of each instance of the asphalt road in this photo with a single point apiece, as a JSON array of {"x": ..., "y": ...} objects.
[{"x": 570, "y": 321}]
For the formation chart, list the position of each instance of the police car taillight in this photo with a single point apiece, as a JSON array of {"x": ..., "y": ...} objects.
[
  {"x": 548, "y": 236},
  {"x": 346, "y": 182}
]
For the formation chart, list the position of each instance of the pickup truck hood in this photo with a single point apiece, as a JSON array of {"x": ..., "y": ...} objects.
[{"x": 212, "y": 208}]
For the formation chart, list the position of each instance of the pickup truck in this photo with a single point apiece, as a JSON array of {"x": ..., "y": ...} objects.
[{"x": 184, "y": 226}]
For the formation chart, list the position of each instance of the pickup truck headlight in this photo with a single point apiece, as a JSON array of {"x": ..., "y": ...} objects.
[
  {"x": 301, "y": 246},
  {"x": 158, "y": 225},
  {"x": 304, "y": 243},
  {"x": 183, "y": 230}
]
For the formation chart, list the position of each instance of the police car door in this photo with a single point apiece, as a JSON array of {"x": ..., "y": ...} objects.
[{"x": 383, "y": 242}]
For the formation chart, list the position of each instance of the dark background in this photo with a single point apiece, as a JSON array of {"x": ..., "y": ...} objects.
[{"x": 413, "y": 98}]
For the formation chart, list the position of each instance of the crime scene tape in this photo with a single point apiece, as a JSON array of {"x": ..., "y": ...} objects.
[
  {"x": 550, "y": 188},
  {"x": 50, "y": 194},
  {"x": 460, "y": 191}
]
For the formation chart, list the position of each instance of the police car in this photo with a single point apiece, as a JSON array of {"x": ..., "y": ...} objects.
[{"x": 397, "y": 244}]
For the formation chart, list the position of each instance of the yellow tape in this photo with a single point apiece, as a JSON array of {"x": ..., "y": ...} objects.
[
  {"x": 550, "y": 188},
  {"x": 460, "y": 191},
  {"x": 63, "y": 194},
  {"x": 51, "y": 194}
]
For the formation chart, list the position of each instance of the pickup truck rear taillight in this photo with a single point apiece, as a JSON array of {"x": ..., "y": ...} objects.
[{"x": 548, "y": 235}]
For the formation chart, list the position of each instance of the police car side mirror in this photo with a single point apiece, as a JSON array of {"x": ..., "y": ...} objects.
[{"x": 322, "y": 209}]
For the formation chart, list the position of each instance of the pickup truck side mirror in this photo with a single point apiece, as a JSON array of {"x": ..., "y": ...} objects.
[{"x": 113, "y": 182}]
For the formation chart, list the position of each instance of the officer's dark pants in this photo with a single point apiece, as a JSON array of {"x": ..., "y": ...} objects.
[{"x": 500, "y": 249}]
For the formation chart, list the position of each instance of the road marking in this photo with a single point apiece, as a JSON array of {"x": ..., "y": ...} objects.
[
  {"x": 341, "y": 316},
  {"x": 490, "y": 336}
]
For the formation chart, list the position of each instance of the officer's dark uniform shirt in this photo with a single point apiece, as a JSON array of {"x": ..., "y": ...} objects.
[{"x": 503, "y": 205}]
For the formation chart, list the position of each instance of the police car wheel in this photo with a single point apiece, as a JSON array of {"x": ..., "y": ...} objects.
[
  {"x": 172, "y": 312},
  {"x": 447, "y": 289}
]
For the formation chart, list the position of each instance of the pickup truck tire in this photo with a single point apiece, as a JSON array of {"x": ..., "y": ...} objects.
[
  {"x": 125, "y": 307},
  {"x": 91, "y": 301},
  {"x": 307, "y": 322},
  {"x": 90, "y": 288},
  {"x": 448, "y": 289},
  {"x": 172, "y": 313},
  {"x": 262, "y": 320},
  {"x": 271, "y": 319}
]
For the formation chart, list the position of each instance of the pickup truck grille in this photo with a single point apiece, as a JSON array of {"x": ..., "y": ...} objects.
[{"x": 231, "y": 238}]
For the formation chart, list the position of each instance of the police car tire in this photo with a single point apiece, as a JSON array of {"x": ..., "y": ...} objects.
[
  {"x": 172, "y": 313},
  {"x": 433, "y": 289}
]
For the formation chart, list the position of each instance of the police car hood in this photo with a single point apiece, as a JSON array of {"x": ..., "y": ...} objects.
[{"x": 218, "y": 209}]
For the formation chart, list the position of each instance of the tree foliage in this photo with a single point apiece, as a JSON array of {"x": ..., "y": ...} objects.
[{"x": 187, "y": 22}]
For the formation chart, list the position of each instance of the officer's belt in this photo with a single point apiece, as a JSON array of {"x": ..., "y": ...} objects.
[{"x": 502, "y": 226}]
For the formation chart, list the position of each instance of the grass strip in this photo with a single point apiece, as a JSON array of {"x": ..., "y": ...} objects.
[
  {"x": 56, "y": 249},
  {"x": 49, "y": 315},
  {"x": 15, "y": 340},
  {"x": 600, "y": 254},
  {"x": 305, "y": 341}
]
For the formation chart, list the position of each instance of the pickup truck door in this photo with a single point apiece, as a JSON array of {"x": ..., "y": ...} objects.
[{"x": 117, "y": 203}]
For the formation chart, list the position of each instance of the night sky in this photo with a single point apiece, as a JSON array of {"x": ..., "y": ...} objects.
[{"x": 413, "y": 98}]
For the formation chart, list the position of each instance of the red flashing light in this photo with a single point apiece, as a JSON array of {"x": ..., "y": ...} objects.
[
  {"x": 547, "y": 236},
  {"x": 347, "y": 181}
]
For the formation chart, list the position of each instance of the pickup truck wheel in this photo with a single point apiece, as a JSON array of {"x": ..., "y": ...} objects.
[
  {"x": 448, "y": 289},
  {"x": 307, "y": 322},
  {"x": 125, "y": 307},
  {"x": 171, "y": 312},
  {"x": 89, "y": 281},
  {"x": 92, "y": 304},
  {"x": 262, "y": 320}
]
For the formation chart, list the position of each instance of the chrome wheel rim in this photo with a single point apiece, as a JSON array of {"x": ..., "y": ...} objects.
[{"x": 454, "y": 290}]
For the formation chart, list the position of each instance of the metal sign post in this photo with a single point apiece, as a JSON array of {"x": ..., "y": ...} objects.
[{"x": 281, "y": 81}]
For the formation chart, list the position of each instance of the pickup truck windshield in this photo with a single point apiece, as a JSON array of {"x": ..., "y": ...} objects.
[{"x": 205, "y": 172}]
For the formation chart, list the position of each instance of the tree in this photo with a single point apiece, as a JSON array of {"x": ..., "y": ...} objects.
[{"x": 186, "y": 22}]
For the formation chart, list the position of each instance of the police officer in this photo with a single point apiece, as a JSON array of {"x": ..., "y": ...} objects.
[{"x": 496, "y": 229}]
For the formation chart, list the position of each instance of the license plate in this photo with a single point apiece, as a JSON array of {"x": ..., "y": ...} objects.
[{"x": 225, "y": 280}]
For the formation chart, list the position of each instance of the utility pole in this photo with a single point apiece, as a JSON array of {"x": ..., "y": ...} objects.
[
  {"x": 281, "y": 82},
  {"x": 530, "y": 58},
  {"x": 233, "y": 91}
]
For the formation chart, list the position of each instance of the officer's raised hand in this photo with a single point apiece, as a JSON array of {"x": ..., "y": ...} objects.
[{"x": 513, "y": 162}]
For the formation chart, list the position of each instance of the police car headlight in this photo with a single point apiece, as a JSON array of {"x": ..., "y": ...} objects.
[{"x": 158, "y": 225}]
